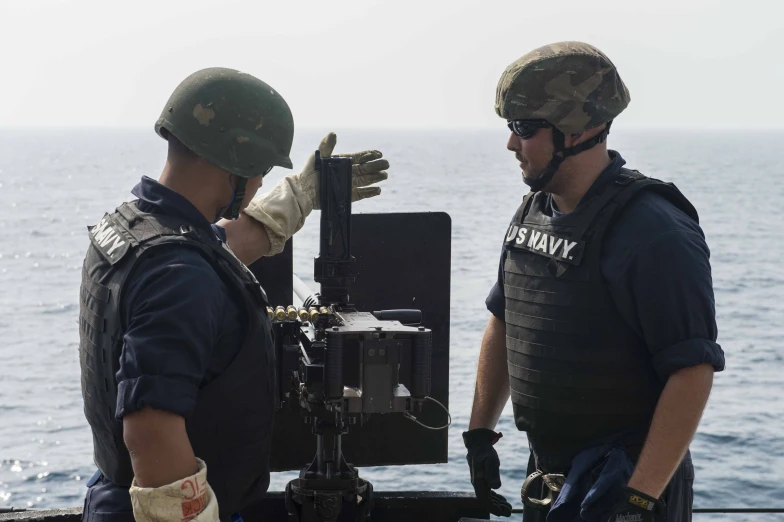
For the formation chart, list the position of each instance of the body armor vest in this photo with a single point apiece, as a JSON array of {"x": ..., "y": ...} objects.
[
  {"x": 232, "y": 425},
  {"x": 577, "y": 370}
]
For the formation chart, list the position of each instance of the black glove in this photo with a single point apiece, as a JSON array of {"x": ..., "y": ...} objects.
[
  {"x": 635, "y": 506},
  {"x": 485, "y": 469}
]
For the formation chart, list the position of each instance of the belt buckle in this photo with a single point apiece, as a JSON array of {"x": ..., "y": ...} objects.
[{"x": 554, "y": 483}]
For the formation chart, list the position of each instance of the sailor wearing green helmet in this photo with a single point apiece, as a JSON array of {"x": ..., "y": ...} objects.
[
  {"x": 175, "y": 343},
  {"x": 602, "y": 327}
]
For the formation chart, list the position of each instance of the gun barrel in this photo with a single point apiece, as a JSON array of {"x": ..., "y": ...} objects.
[{"x": 304, "y": 293}]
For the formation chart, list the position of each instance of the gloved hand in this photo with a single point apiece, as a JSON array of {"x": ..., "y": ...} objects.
[
  {"x": 283, "y": 210},
  {"x": 637, "y": 506},
  {"x": 485, "y": 469},
  {"x": 190, "y": 499}
]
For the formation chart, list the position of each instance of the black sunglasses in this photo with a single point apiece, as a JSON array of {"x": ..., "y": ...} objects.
[{"x": 526, "y": 129}]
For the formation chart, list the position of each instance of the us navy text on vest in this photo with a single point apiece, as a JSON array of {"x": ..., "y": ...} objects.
[
  {"x": 547, "y": 244},
  {"x": 108, "y": 240}
]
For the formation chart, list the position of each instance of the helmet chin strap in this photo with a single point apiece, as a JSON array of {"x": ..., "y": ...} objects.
[
  {"x": 558, "y": 141},
  {"x": 232, "y": 209},
  {"x": 547, "y": 174}
]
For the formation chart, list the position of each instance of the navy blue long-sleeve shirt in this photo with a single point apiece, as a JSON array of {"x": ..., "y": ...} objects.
[{"x": 655, "y": 263}]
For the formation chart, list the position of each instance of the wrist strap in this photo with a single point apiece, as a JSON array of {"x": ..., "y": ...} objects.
[{"x": 643, "y": 501}]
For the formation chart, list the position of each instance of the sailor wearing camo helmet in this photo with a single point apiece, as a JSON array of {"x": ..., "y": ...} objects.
[{"x": 602, "y": 328}]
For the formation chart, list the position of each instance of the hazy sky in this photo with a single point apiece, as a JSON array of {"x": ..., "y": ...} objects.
[{"x": 395, "y": 63}]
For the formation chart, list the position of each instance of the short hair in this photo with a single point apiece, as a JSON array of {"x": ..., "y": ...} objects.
[{"x": 178, "y": 151}]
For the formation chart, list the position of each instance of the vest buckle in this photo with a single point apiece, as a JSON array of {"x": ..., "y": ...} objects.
[
  {"x": 623, "y": 180},
  {"x": 188, "y": 231}
]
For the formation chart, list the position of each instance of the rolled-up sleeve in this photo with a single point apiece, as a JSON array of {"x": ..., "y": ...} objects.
[
  {"x": 668, "y": 287},
  {"x": 172, "y": 316}
]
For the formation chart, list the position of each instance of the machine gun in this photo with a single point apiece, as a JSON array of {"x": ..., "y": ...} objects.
[{"x": 340, "y": 365}]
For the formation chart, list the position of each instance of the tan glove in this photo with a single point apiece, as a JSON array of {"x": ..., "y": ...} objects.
[
  {"x": 188, "y": 500},
  {"x": 283, "y": 210}
]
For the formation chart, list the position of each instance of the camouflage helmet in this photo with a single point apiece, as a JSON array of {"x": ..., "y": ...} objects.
[
  {"x": 231, "y": 119},
  {"x": 572, "y": 85}
]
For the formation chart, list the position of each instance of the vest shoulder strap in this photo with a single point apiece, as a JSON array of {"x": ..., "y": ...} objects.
[
  {"x": 636, "y": 182},
  {"x": 524, "y": 207},
  {"x": 145, "y": 227},
  {"x": 153, "y": 229},
  {"x": 619, "y": 192}
]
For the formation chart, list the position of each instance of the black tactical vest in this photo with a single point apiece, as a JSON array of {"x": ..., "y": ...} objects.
[
  {"x": 232, "y": 425},
  {"x": 576, "y": 369}
]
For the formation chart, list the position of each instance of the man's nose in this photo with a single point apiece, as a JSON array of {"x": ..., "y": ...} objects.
[{"x": 513, "y": 143}]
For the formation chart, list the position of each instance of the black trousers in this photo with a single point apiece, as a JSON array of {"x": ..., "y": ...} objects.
[
  {"x": 106, "y": 502},
  {"x": 678, "y": 495}
]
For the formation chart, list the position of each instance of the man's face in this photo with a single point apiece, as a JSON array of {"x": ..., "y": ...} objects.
[{"x": 533, "y": 153}]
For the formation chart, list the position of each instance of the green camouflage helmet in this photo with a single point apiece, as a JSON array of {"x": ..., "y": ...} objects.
[
  {"x": 572, "y": 85},
  {"x": 231, "y": 119}
]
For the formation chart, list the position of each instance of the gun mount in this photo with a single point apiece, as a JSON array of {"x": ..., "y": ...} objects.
[{"x": 339, "y": 365}]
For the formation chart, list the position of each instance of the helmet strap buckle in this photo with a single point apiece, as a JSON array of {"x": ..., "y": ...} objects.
[{"x": 232, "y": 210}]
